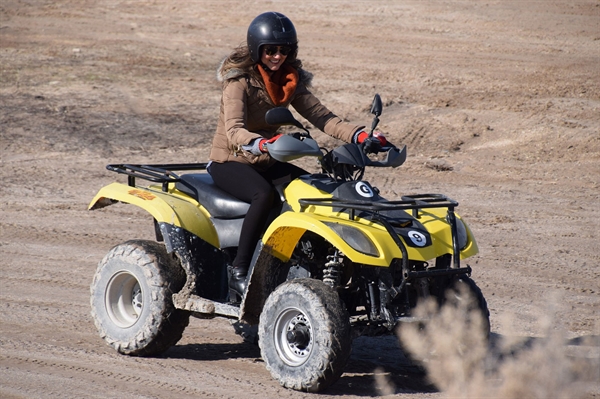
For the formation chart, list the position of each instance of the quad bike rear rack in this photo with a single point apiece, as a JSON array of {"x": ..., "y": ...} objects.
[{"x": 160, "y": 173}]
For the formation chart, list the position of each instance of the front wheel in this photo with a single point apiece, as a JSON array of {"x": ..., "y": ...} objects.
[
  {"x": 304, "y": 335},
  {"x": 477, "y": 303},
  {"x": 131, "y": 298}
]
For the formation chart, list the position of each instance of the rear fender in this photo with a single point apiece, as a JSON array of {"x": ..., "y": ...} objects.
[{"x": 164, "y": 207}]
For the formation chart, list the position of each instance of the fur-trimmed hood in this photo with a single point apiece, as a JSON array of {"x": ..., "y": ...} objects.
[{"x": 234, "y": 73}]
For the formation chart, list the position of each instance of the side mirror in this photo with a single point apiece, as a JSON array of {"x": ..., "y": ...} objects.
[
  {"x": 377, "y": 106},
  {"x": 281, "y": 116}
]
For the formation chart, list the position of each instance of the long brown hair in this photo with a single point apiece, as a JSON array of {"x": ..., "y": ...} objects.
[{"x": 240, "y": 59}]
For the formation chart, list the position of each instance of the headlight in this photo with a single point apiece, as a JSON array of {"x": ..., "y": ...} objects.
[
  {"x": 463, "y": 237},
  {"x": 355, "y": 238}
]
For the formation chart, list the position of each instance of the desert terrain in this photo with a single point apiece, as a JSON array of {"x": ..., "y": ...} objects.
[{"x": 497, "y": 101}]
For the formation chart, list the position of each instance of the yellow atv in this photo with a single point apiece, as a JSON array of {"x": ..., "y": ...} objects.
[{"x": 336, "y": 260}]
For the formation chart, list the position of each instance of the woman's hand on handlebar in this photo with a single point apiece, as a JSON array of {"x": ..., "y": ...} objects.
[
  {"x": 373, "y": 144},
  {"x": 262, "y": 145}
]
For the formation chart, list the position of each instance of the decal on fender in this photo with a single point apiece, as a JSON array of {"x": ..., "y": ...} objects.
[
  {"x": 417, "y": 238},
  {"x": 363, "y": 189},
  {"x": 142, "y": 194}
]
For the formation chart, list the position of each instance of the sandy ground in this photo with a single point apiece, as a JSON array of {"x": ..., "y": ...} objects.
[{"x": 497, "y": 101}]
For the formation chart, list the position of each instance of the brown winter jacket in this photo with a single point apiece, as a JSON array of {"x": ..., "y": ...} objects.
[{"x": 242, "y": 118}]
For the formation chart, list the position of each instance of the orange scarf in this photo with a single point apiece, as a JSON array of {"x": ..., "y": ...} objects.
[{"x": 281, "y": 84}]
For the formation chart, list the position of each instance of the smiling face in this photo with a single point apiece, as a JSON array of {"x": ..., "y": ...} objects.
[{"x": 273, "y": 56}]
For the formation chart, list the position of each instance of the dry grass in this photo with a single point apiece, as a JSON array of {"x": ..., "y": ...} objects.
[{"x": 462, "y": 363}]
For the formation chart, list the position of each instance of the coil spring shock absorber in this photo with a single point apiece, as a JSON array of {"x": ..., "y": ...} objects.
[{"x": 332, "y": 271}]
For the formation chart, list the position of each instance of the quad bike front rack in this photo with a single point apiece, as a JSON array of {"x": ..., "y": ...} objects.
[{"x": 413, "y": 203}]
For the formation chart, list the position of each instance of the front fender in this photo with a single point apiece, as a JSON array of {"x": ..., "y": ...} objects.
[
  {"x": 164, "y": 207},
  {"x": 283, "y": 234}
]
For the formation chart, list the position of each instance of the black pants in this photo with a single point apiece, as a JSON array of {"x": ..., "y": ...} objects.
[{"x": 257, "y": 188}]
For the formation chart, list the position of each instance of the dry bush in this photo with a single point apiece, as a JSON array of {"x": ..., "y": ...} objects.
[
  {"x": 456, "y": 354},
  {"x": 383, "y": 384}
]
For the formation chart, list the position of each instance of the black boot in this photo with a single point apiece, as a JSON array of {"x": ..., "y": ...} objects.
[{"x": 237, "y": 281}]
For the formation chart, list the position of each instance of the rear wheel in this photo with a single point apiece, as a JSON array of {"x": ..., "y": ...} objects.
[
  {"x": 131, "y": 299},
  {"x": 304, "y": 335}
]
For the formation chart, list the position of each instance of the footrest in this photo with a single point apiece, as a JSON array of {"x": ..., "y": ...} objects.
[{"x": 206, "y": 307}]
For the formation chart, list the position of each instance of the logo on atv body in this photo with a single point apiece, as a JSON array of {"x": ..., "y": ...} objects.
[
  {"x": 364, "y": 190},
  {"x": 417, "y": 238},
  {"x": 141, "y": 194}
]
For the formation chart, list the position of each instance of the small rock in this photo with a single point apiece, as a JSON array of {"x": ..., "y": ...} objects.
[{"x": 440, "y": 165}]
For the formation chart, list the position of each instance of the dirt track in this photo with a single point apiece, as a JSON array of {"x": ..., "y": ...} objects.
[{"x": 497, "y": 101}]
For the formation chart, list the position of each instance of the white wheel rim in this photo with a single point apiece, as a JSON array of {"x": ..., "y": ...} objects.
[
  {"x": 123, "y": 298},
  {"x": 293, "y": 353}
]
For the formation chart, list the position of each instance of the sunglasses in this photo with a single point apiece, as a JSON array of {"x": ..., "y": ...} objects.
[{"x": 283, "y": 50}]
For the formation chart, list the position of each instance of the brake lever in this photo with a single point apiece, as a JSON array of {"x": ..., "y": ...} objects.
[
  {"x": 389, "y": 146},
  {"x": 300, "y": 135}
]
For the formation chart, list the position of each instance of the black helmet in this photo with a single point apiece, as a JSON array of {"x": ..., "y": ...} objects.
[{"x": 270, "y": 28}]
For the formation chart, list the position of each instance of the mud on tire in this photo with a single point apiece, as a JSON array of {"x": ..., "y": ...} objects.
[
  {"x": 304, "y": 335},
  {"x": 131, "y": 299}
]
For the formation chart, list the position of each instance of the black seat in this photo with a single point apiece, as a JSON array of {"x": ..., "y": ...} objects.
[{"x": 216, "y": 201}]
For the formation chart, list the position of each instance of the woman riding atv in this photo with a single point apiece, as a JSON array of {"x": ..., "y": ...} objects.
[{"x": 260, "y": 75}]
